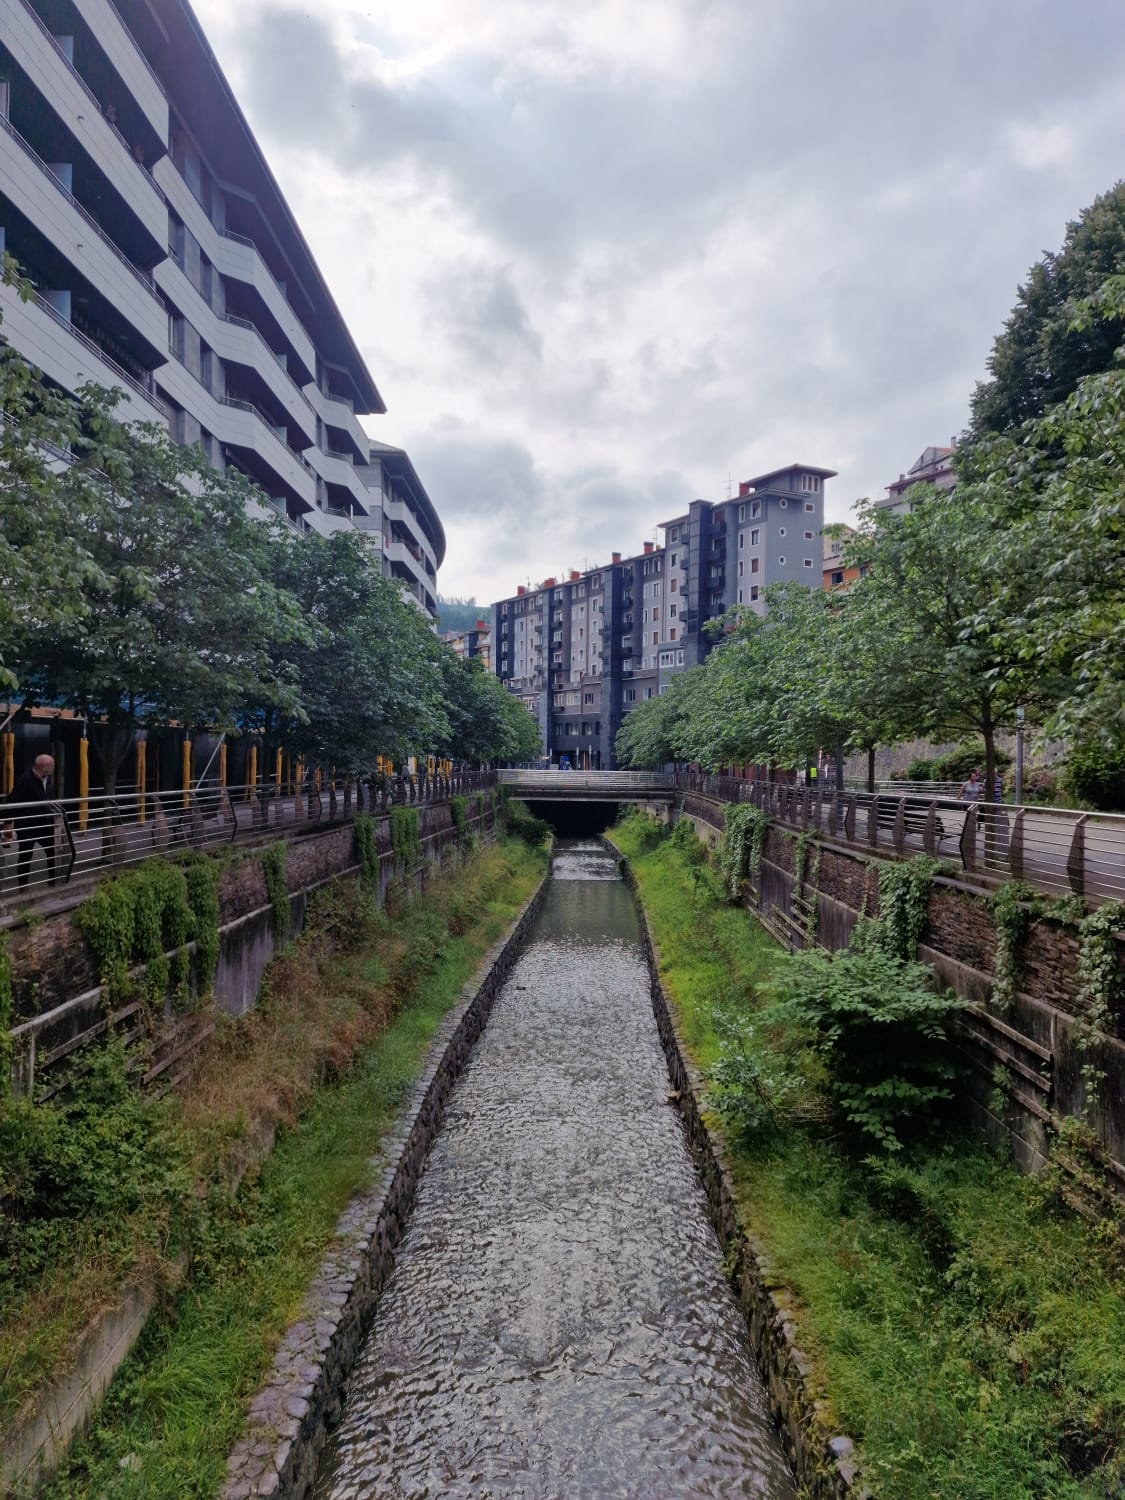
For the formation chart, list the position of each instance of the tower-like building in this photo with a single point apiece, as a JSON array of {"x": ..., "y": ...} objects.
[{"x": 166, "y": 262}]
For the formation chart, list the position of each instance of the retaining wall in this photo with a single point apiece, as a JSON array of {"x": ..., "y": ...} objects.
[{"x": 1027, "y": 1060}]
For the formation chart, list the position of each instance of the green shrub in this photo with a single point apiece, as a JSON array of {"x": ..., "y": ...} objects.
[
  {"x": 1040, "y": 785},
  {"x": 644, "y": 832},
  {"x": 880, "y": 1030},
  {"x": 273, "y": 868},
  {"x": 920, "y": 770},
  {"x": 366, "y": 852},
  {"x": 688, "y": 842},
  {"x": 956, "y": 765},
  {"x": 743, "y": 840},
  {"x": 136, "y": 919},
  {"x": 406, "y": 837},
  {"x": 525, "y": 825},
  {"x": 457, "y": 806},
  {"x": 1095, "y": 775}
]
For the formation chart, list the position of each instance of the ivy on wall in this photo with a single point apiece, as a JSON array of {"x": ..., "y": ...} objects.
[
  {"x": 1101, "y": 989},
  {"x": 1014, "y": 907},
  {"x": 137, "y": 919},
  {"x": 904, "y": 898},
  {"x": 273, "y": 868},
  {"x": 457, "y": 806},
  {"x": 744, "y": 839},
  {"x": 807, "y": 874},
  {"x": 203, "y": 897},
  {"x": 406, "y": 836},
  {"x": 366, "y": 852}
]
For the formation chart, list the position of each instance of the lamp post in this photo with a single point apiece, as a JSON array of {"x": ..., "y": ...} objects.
[{"x": 1019, "y": 757}]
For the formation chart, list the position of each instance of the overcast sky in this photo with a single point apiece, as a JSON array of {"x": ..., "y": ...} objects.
[{"x": 603, "y": 255}]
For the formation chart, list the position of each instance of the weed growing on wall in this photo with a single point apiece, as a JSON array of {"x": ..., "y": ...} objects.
[
  {"x": 1101, "y": 989},
  {"x": 366, "y": 852},
  {"x": 806, "y": 874},
  {"x": 273, "y": 869},
  {"x": 743, "y": 842}
]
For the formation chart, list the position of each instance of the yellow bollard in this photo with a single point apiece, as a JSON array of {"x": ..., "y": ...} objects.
[
  {"x": 252, "y": 773},
  {"x": 83, "y": 782},
  {"x": 141, "y": 748},
  {"x": 223, "y": 764},
  {"x": 8, "y": 777}
]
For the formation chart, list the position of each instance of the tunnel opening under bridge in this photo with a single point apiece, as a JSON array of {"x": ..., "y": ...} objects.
[{"x": 575, "y": 819}]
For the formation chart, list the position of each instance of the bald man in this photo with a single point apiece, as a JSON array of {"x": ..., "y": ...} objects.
[{"x": 34, "y": 826}]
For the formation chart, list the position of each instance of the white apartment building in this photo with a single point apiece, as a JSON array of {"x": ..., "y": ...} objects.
[{"x": 166, "y": 262}]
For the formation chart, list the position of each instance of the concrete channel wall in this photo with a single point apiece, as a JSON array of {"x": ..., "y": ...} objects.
[
  {"x": 290, "y": 1418},
  {"x": 820, "y": 1458}
]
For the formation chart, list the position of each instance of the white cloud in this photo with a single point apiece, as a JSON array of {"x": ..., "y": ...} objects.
[{"x": 600, "y": 254}]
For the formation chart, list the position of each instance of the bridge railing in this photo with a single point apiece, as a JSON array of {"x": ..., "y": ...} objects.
[
  {"x": 573, "y": 781},
  {"x": 1057, "y": 850},
  {"x": 60, "y": 842}
]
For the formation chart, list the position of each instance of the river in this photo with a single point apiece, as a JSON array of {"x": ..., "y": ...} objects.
[{"x": 557, "y": 1323}]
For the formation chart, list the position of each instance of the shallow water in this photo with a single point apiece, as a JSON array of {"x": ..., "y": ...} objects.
[{"x": 557, "y": 1322}]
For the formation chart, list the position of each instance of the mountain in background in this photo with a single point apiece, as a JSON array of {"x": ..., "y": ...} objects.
[{"x": 459, "y": 614}]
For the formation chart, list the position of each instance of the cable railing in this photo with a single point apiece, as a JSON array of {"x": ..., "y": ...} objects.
[
  {"x": 61, "y": 842},
  {"x": 1059, "y": 851},
  {"x": 121, "y": 373},
  {"x": 142, "y": 276}
]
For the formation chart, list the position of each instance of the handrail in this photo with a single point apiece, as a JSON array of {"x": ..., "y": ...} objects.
[
  {"x": 238, "y": 322},
  {"x": 239, "y": 405},
  {"x": 97, "y": 103},
  {"x": 142, "y": 276},
  {"x": 121, "y": 373}
]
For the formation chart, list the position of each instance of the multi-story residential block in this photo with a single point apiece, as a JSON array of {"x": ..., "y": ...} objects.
[
  {"x": 166, "y": 262},
  {"x": 933, "y": 467},
  {"x": 474, "y": 642},
  {"x": 583, "y": 651}
]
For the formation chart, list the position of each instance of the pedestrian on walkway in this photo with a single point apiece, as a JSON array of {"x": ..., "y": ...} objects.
[
  {"x": 970, "y": 792},
  {"x": 34, "y": 823}
]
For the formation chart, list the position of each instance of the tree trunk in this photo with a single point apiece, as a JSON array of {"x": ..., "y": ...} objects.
[
  {"x": 838, "y": 757},
  {"x": 871, "y": 769},
  {"x": 111, "y": 742},
  {"x": 991, "y": 819}
]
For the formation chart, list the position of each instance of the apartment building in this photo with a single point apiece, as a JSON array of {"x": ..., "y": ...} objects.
[
  {"x": 836, "y": 574},
  {"x": 933, "y": 467},
  {"x": 166, "y": 262},
  {"x": 474, "y": 642},
  {"x": 584, "y": 650}
]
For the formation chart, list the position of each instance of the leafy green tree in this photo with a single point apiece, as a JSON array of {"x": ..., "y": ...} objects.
[
  {"x": 655, "y": 733},
  {"x": 486, "y": 722},
  {"x": 176, "y": 615},
  {"x": 1039, "y": 358}
]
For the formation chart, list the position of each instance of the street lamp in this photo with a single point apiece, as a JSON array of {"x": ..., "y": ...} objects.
[{"x": 1019, "y": 757}]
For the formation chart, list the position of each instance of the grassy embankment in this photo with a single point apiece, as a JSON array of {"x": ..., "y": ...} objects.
[
  {"x": 330, "y": 1054},
  {"x": 968, "y": 1329}
]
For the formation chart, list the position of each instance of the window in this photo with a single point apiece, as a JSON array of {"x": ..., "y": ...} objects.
[
  {"x": 783, "y": 503},
  {"x": 679, "y": 658},
  {"x": 674, "y": 534},
  {"x": 740, "y": 596},
  {"x": 808, "y": 536},
  {"x": 753, "y": 565},
  {"x": 808, "y": 562},
  {"x": 742, "y": 512},
  {"x": 837, "y": 577},
  {"x": 672, "y": 633},
  {"x": 656, "y": 637},
  {"x": 809, "y": 506},
  {"x": 648, "y": 692},
  {"x": 755, "y": 509},
  {"x": 741, "y": 540},
  {"x": 753, "y": 592},
  {"x": 655, "y": 615},
  {"x": 675, "y": 585},
  {"x": 587, "y": 697},
  {"x": 755, "y": 537},
  {"x": 673, "y": 559},
  {"x": 781, "y": 561},
  {"x": 741, "y": 567},
  {"x": 671, "y": 611},
  {"x": 781, "y": 531}
]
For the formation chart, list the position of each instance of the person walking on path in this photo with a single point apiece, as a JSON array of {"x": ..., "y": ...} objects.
[
  {"x": 970, "y": 792},
  {"x": 34, "y": 826}
]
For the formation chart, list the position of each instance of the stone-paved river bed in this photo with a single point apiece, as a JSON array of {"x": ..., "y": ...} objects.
[{"x": 557, "y": 1323}]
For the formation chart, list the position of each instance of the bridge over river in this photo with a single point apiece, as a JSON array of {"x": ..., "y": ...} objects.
[{"x": 557, "y": 1322}]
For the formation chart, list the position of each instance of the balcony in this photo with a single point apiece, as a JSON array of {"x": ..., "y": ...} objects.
[
  {"x": 56, "y": 214},
  {"x": 126, "y": 57},
  {"x": 70, "y": 357}
]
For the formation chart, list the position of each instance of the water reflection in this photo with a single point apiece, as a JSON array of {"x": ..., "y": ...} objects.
[{"x": 557, "y": 1323}]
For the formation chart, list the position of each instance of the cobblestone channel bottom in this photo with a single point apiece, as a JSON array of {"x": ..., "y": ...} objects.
[{"x": 557, "y": 1323}]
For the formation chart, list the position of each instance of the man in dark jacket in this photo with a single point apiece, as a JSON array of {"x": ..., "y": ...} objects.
[{"x": 34, "y": 825}]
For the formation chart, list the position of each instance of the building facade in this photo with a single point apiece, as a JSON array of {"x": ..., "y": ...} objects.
[
  {"x": 581, "y": 652},
  {"x": 166, "y": 262},
  {"x": 932, "y": 467},
  {"x": 474, "y": 642}
]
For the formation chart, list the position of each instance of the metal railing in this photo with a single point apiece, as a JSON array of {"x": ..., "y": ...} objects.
[
  {"x": 95, "y": 348},
  {"x": 1057, "y": 850},
  {"x": 602, "y": 781},
  {"x": 57, "y": 843}
]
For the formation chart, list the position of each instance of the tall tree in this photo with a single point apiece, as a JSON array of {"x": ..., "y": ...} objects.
[
  {"x": 1041, "y": 354},
  {"x": 178, "y": 616}
]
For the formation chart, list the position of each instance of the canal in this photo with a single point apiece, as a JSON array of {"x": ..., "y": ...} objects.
[{"x": 557, "y": 1322}]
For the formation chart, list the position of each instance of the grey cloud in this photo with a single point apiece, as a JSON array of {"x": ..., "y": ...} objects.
[{"x": 485, "y": 316}]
